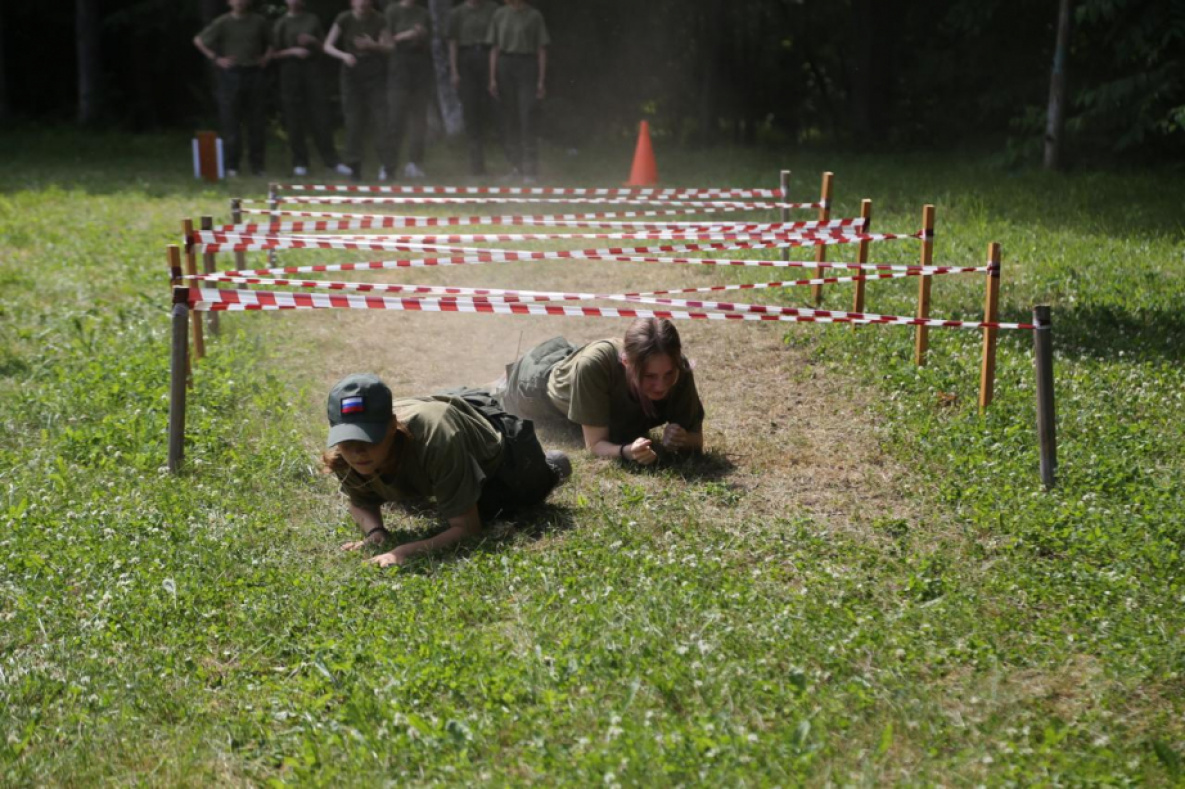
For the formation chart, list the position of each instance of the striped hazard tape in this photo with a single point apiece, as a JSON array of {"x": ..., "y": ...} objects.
[
  {"x": 725, "y": 205},
  {"x": 530, "y": 295},
  {"x": 482, "y": 258},
  {"x": 388, "y": 222},
  {"x": 213, "y": 242},
  {"x": 215, "y": 300},
  {"x": 665, "y": 193},
  {"x": 440, "y": 221}
]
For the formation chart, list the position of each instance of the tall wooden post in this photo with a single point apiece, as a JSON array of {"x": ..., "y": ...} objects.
[
  {"x": 784, "y": 185},
  {"x": 922, "y": 337},
  {"x": 1046, "y": 416},
  {"x": 178, "y": 367},
  {"x": 821, "y": 250},
  {"x": 199, "y": 340},
  {"x": 991, "y": 314},
  {"x": 208, "y": 267},
  {"x": 862, "y": 257},
  {"x": 273, "y": 204},
  {"x": 236, "y": 216}
]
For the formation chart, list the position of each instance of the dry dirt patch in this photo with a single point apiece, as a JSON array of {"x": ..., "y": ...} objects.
[{"x": 800, "y": 439}]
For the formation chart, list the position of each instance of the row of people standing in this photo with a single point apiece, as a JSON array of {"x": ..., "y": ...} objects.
[{"x": 387, "y": 77}]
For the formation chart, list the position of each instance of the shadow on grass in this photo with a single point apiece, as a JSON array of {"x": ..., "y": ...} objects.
[
  {"x": 535, "y": 523},
  {"x": 1105, "y": 332},
  {"x": 707, "y": 466}
]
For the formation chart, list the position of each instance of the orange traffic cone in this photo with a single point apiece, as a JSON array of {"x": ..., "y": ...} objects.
[{"x": 645, "y": 170}]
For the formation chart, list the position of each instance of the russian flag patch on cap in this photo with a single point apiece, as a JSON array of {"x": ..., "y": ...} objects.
[{"x": 353, "y": 405}]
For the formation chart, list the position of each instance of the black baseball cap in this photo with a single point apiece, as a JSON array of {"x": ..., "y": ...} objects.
[{"x": 359, "y": 409}]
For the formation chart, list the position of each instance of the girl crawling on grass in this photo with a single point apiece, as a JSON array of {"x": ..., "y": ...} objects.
[
  {"x": 616, "y": 390},
  {"x": 460, "y": 448}
]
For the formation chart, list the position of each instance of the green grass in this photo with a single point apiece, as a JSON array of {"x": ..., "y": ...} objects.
[{"x": 203, "y": 629}]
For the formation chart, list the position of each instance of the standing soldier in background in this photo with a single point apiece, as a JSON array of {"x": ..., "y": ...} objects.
[
  {"x": 469, "y": 64},
  {"x": 409, "y": 33},
  {"x": 518, "y": 72},
  {"x": 240, "y": 44},
  {"x": 356, "y": 40},
  {"x": 298, "y": 36}
]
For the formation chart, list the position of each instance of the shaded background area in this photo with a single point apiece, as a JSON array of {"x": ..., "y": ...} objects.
[{"x": 861, "y": 73}]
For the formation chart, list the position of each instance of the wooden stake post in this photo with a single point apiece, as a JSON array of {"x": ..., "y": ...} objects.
[
  {"x": 862, "y": 257},
  {"x": 1046, "y": 416},
  {"x": 209, "y": 268},
  {"x": 784, "y": 184},
  {"x": 922, "y": 337},
  {"x": 821, "y": 250},
  {"x": 236, "y": 216},
  {"x": 991, "y": 314},
  {"x": 178, "y": 364},
  {"x": 199, "y": 340},
  {"x": 273, "y": 205}
]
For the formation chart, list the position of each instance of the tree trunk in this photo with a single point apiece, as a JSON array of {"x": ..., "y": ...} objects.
[
  {"x": 86, "y": 37},
  {"x": 450, "y": 104},
  {"x": 4, "y": 108},
  {"x": 1055, "y": 122},
  {"x": 711, "y": 59},
  {"x": 873, "y": 65}
]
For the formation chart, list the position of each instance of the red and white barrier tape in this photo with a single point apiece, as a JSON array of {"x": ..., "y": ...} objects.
[
  {"x": 478, "y": 259},
  {"x": 211, "y": 242},
  {"x": 444, "y": 221},
  {"x": 506, "y": 238},
  {"x": 398, "y": 189},
  {"x": 388, "y": 222},
  {"x": 215, "y": 299},
  {"x": 724, "y": 205},
  {"x": 519, "y": 295}
]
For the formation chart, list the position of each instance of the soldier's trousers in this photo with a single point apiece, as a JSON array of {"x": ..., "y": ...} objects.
[
  {"x": 241, "y": 95},
  {"x": 302, "y": 94},
  {"x": 473, "y": 65},
  {"x": 518, "y": 79},
  {"x": 364, "y": 105},
  {"x": 409, "y": 88}
]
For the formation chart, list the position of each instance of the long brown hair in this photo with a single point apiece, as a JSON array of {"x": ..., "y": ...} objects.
[
  {"x": 645, "y": 339},
  {"x": 332, "y": 461}
]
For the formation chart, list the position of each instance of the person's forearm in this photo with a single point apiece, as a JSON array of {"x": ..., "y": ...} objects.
[
  {"x": 461, "y": 527},
  {"x": 542, "y": 67},
  {"x": 693, "y": 442},
  {"x": 369, "y": 520},
  {"x": 205, "y": 50},
  {"x": 452, "y": 59}
]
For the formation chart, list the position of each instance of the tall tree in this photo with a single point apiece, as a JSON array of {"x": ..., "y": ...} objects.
[
  {"x": 1055, "y": 123},
  {"x": 450, "y": 104},
  {"x": 86, "y": 37}
]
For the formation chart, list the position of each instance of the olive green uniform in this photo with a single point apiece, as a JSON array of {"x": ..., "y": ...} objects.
[
  {"x": 463, "y": 450},
  {"x": 410, "y": 80},
  {"x": 364, "y": 90},
  {"x": 242, "y": 91},
  {"x": 588, "y": 386},
  {"x": 468, "y": 27},
  {"x": 519, "y": 34},
  {"x": 302, "y": 91}
]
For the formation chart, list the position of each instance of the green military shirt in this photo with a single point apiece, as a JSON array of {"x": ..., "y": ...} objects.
[
  {"x": 371, "y": 24},
  {"x": 590, "y": 387},
  {"x": 518, "y": 31},
  {"x": 468, "y": 25},
  {"x": 290, "y": 27},
  {"x": 401, "y": 18},
  {"x": 244, "y": 38},
  {"x": 452, "y": 450}
]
